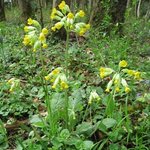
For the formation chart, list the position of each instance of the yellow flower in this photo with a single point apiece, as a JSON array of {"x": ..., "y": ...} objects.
[
  {"x": 107, "y": 90},
  {"x": 117, "y": 89},
  {"x": 62, "y": 5},
  {"x": 53, "y": 14},
  {"x": 11, "y": 90},
  {"x": 54, "y": 87},
  {"x": 123, "y": 63},
  {"x": 82, "y": 31},
  {"x": 30, "y": 21},
  {"x": 64, "y": 85},
  {"x": 81, "y": 13},
  {"x": 130, "y": 72},
  {"x": 26, "y": 29},
  {"x": 47, "y": 77},
  {"x": 102, "y": 75},
  {"x": 44, "y": 45},
  {"x": 34, "y": 50},
  {"x": 55, "y": 71},
  {"x": 42, "y": 37},
  {"x": 45, "y": 31},
  {"x": 137, "y": 75},
  {"x": 70, "y": 15},
  {"x": 116, "y": 81},
  {"x": 52, "y": 80},
  {"x": 26, "y": 40},
  {"x": 10, "y": 81},
  {"x": 53, "y": 29},
  {"x": 105, "y": 72},
  {"x": 93, "y": 96},
  {"x": 87, "y": 26},
  {"x": 127, "y": 89},
  {"x": 58, "y": 25}
]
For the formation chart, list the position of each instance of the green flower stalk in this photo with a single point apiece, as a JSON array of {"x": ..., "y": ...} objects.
[{"x": 65, "y": 18}]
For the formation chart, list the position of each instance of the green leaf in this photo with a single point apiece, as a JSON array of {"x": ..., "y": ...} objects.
[
  {"x": 86, "y": 128},
  {"x": 37, "y": 121},
  {"x": 41, "y": 93},
  {"x": 109, "y": 122},
  {"x": 87, "y": 145},
  {"x": 64, "y": 134}
]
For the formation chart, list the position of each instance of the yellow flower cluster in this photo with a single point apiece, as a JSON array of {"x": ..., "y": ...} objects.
[
  {"x": 133, "y": 73},
  {"x": 14, "y": 84},
  {"x": 35, "y": 36},
  {"x": 68, "y": 20},
  {"x": 117, "y": 80},
  {"x": 58, "y": 78},
  {"x": 105, "y": 72},
  {"x": 93, "y": 96},
  {"x": 123, "y": 63}
]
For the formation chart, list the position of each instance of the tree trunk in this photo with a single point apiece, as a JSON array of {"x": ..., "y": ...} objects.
[
  {"x": 26, "y": 9},
  {"x": 117, "y": 13},
  {"x": 2, "y": 12}
]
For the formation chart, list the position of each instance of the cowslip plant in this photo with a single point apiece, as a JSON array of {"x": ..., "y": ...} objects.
[
  {"x": 118, "y": 84},
  {"x": 59, "y": 83},
  {"x": 14, "y": 84},
  {"x": 71, "y": 23},
  {"x": 68, "y": 20},
  {"x": 58, "y": 78},
  {"x": 119, "y": 78},
  {"x": 35, "y": 37}
]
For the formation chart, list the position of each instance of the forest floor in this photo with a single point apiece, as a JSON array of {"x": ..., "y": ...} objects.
[{"x": 114, "y": 121}]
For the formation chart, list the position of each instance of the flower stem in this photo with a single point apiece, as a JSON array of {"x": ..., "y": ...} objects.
[{"x": 67, "y": 75}]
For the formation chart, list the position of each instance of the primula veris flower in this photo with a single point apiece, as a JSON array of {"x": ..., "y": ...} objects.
[
  {"x": 81, "y": 13},
  {"x": 130, "y": 72},
  {"x": 37, "y": 45},
  {"x": 35, "y": 36},
  {"x": 56, "y": 71},
  {"x": 82, "y": 31},
  {"x": 93, "y": 96},
  {"x": 26, "y": 29},
  {"x": 53, "y": 14},
  {"x": 105, "y": 72},
  {"x": 53, "y": 29},
  {"x": 33, "y": 22},
  {"x": 53, "y": 73},
  {"x": 68, "y": 20},
  {"x": 26, "y": 40},
  {"x": 58, "y": 78},
  {"x": 30, "y": 21},
  {"x": 70, "y": 15},
  {"x": 42, "y": 37},
  {"x": 29, "y": 28},
  {"x": 116, "y": 79},
  {"x": 64, "y": 85},
  {"x": 62, "y": 5},
  {"x": 87, "y": 26},
  {"x": 123, "y": 63},
  {"x": 107, "y": 90},
  {"x": 127, "y": 89},
  {"x": 117, "y": 89},
  {"x": 45, "y": 31},
  {"x": 44, "y": 45},
  {"x": 124, "y": 82},
  {"x": 137, "y": 75},
  {"x": 109, "y": 86},
  {"x": 14, "y": 84},
  {"x": 58, "y": 25},
  {"x": 47, "y": 77}
]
